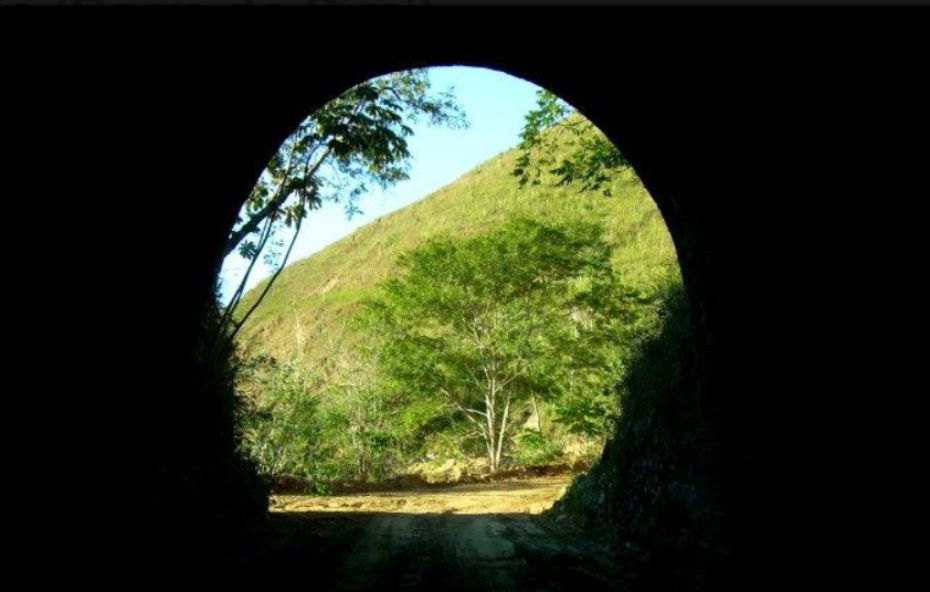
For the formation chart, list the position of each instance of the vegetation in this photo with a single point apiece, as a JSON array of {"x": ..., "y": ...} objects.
[
  {"x": 528, "y": 311},
  {"x": 357, "y": 139},
  {"x": 561, "y": 145},
  {"x": 492, "y": 319},
  {"x": 306, "y": 314},
  {"x": 645, "y": 488}
]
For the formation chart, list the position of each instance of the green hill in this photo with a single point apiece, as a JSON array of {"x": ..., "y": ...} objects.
[{"x": 305, "y": 313}]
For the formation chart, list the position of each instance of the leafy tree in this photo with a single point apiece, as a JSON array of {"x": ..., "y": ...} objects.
[
  {"x": 323, "y": 424},
  {"x": 528, "y": 310},
  {"x": 591, "y": 159},
  {"x": 282, "y": 426},
  {"x": 588, "y": 413},
  {"x": 559, "y": 145},
  {"x": 354, "y": 141},
  {"x": 371, "y": 435}
]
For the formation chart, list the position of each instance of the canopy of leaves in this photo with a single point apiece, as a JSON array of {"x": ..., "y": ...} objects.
[
  {"x": 535, "y": 307},
  {"x": 280, "y": 421},
  {"x": 591, "y": 161},
  {"x": 356, "y": 140}
]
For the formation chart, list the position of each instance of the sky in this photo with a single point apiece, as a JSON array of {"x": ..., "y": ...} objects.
[{"x": 494, "y": 103}]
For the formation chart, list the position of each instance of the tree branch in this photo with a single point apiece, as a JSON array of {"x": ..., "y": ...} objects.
[
  {"x": 270, "y": 282},
  {"x": 500, "y": 438},
  {"x": 236, "y": 236},
  {"x": 234, "y": 301}
]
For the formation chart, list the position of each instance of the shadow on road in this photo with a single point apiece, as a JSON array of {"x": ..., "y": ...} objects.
[{"x": 422, "y": 551}]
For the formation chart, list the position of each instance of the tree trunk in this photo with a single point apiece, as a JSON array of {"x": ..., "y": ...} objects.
[
  {"x": 250, "y": 225},
  {"x": 270, "y": 283},
  {"x": 489, "y": 407},
  {"x": 536, "y": 413},
  {"x": 500, "y": 435},
  {"x": 489, "y": 444}
]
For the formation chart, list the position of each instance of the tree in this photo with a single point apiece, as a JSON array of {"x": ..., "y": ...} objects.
[
  {"x": 370, "y": 440},
  {"x": 282, "y": 427},
  {"x": 560, "y": 146},
  {"x": 355, "y": 140},
  {"x": 327, "y": 422},
  {"x": 556, "y": 140},
  {"x": 485, "y": 322}
]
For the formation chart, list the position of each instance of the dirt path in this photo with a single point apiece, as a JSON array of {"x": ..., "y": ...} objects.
[
  {"x": 524, "y": 496},
  {"x": 475, "y": 537}
]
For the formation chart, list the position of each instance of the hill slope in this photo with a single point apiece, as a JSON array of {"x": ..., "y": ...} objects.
[{"x": 305, "y": 313}]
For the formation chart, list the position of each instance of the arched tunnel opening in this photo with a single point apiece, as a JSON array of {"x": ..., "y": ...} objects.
[
  {"x": 644, "y": 495},
  {"x": 772, "y": 156},
  {"x": 708, "y": 528},
  {"x": 409, "y": 393}
]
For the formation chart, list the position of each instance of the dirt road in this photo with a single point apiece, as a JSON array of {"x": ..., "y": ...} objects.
[
  {"x": 474, "y": 537},
  {"x": 524, "y": 496}
]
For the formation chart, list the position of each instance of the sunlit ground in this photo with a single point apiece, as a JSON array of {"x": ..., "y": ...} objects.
[{"x": 523, "y": 496}]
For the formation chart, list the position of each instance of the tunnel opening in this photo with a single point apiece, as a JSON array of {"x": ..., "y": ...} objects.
[
  {"x": 751, "y": 147},
  {"x": 573, "y": 165}
]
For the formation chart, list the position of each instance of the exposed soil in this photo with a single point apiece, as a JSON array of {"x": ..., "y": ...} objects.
[
  {"x": 487, "y": 536},
  {"x": 524, "y": 496},
  {"x": 290, "y": 485}
]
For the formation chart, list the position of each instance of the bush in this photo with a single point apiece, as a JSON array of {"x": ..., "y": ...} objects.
[{"x": 534, "y": 448}]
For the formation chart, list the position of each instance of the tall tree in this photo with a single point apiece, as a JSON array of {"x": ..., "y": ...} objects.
[
  {"x": 357, "y": 140},
  {"x": 526, "y": 310},
  {"x": 557, "y": 141}
]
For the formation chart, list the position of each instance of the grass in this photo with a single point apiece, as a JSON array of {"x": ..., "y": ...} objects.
[{"x": 314, "y": 297}]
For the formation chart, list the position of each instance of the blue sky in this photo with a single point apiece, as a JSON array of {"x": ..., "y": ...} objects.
[{"x": 494, "y": 103}]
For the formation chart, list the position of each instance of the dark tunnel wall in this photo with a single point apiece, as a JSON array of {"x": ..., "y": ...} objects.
[
  {"x": 666, "y": 121},
  {"x": 744, "y": 141}
]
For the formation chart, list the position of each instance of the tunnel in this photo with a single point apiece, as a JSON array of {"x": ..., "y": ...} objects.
[
  {"x": 662, "y": 141},
  {"x": 710, "y": 122}
]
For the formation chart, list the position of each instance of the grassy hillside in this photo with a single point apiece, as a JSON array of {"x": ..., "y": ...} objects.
[{"x": 305, "y": 313}]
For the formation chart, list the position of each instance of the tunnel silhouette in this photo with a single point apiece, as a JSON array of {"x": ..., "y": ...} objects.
[
  {"x": 633, "y": 138},
  {"x": 787, "y": 153},
  {"x": 701, "y": 134}
]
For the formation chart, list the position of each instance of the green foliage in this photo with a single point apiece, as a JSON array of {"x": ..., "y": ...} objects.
[
  {"x": 324, "y": 290},
  {"x": 374, "y": 432},
  {"x": 486, "y": 322},
  {"x": 319, "y": 488},
  {"x": 588, "y": 413},
  {"x": 296, "y": 423},
  {"x": 535, "y": 448},
  {"x": 644, "y": 484},
  {"x": 591, "y": 162},
  {"x": 306, "y": 318},
  {"x": 357, "y": 139},
  {"x": 282, "y": 426}
]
